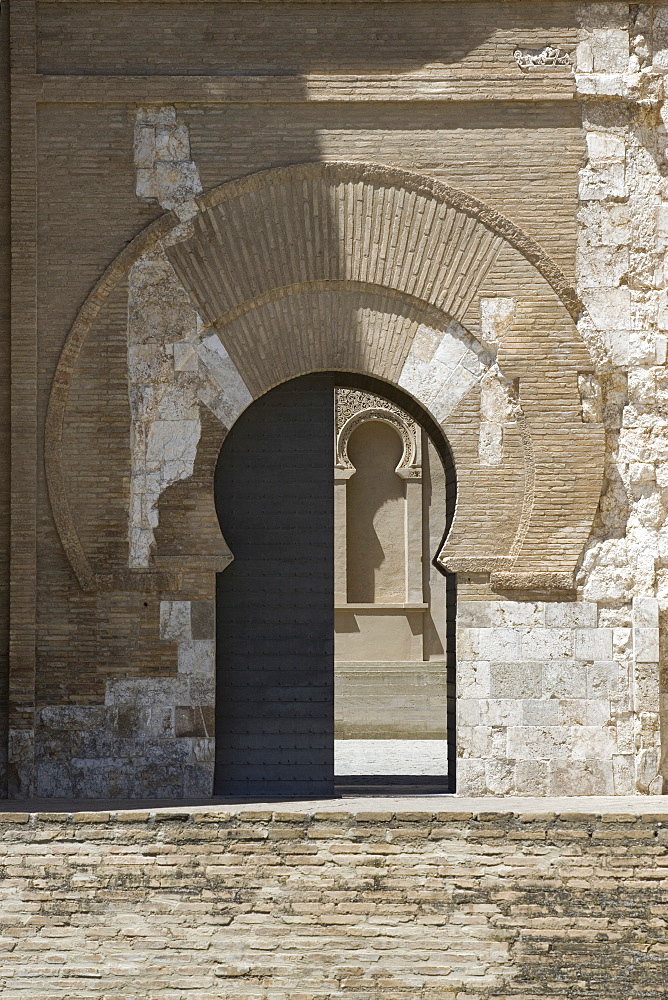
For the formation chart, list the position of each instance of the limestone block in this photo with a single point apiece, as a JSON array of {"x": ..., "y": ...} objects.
[
  {"x": 585, "y": 777},
  {"x": 602, "y": 266},
  {"x": 198, "y": 780},
  {"x": 176, "y": 182},
  {"x": 501, "y": 712},
  {"x": 473, "y": 679},
  {"x": 175, "y": 620},
  {"x": 539, "y": 742},
  {"x": 646, "y": 612},
  {"x": 591, "y": 398},
  {"x": 146, "y": 187},
  {"x": 185, "y": 357},
  {"x": 496, "y": 644},
  {"x": 495, "y": 401},
  {"x": 203, "y": 619},
  {"x": 646, "y": 645},
  {"x": 610, "y": 49},
  {"x": 584, "y": 712},
  {"x": 467, "y": 643},
  {"x": 497, "y": 316},
  {"x": 172, "y": 142},
  {"x": 197, "y": 657},
  {"x": 144, "y": 146},
  {"x": 476, "y": 613},
  {"x": 649, "y": 780},
  {"x": 220, "y": 368},
  {"x": 564, "y": 679},
  {"x": 623, "y": 774},
  {"x": 598, "y": 183},
  {"x": 605, "y": 146},
  {"x": 471, "y": 777},
  {"x": 490, "y": 444},
  {"x": 593, "y": 643},
  {"x": 531, "y": 777},
  {"x": 441, "y": 367},
  {"x": 203, "y": 750},
  {"x": 172, "y": 444},
  {"x": 515, "y": 680},
  {"x": 602, "y": 679},
  {"x": 604, "y": 224},
  {"x": 593, "y": 742},
  {"x": 571, "y": 614},
  {"x": 469, "y": 712},
  {"x": 514, "y": 613},
  {"x": 660, "y": 61},
  {"x": 622, "y": 642},
  {"x": 608, "y": 572},
  {"x": 540, "y": 711},
  {"x": 609, "y": 308},
  {"x": 646, "y": 691},
  {"x": 156, "y": 114},
  {"x": 193, "y": 721},
  {"x": 201, "y": 689},
  {"x": 500, "y": 776},
  {"x": 479, "y": 741},
  {"x": 159, "y": 721},
  {"x": 641, "y": 472},
  {"x": 546, "y": 643},
  {"x": 148, "y": 692}
]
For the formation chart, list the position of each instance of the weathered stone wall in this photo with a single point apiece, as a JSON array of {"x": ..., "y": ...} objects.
[
  {"x": 437, "y": 900},
  {"x": 112, "y": 670},
  {"x": 589, "y": 686},
  {"x": 553, "y": 699}
]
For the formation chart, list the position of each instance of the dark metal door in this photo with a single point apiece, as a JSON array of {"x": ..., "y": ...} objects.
[{"x": 275, "y": 603}]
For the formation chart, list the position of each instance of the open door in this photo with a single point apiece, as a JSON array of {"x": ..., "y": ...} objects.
[{"x": 275, "y": 603}]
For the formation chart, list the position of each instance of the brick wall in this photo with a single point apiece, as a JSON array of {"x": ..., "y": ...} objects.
[
  {"x": 433, "y": 88},
  {"x": 5, "y": 208},
  {"x": 430, "y": 899}
]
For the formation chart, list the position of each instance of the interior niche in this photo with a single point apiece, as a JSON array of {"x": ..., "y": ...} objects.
[
  {"x": 375, "y": 517},
  {"x": 390, "y": 617}
]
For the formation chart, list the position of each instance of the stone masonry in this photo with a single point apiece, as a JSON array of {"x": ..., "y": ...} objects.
[
  {"x": 467, "y": 201},
  {"x": 446, "y": 901}
]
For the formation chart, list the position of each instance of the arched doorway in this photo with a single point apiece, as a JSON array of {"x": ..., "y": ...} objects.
[{"x": 285, "y": 697}]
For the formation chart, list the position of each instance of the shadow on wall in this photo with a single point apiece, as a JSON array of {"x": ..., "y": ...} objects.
[
  {"x": 276, "y": 39},
  {"x": 376, "y": 556}
]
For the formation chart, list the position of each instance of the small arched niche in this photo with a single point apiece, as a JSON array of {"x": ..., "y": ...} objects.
[{"x": 375, "y": 516}]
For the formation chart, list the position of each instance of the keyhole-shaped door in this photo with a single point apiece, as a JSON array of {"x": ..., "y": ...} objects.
[{"x": 275, "y": 604}]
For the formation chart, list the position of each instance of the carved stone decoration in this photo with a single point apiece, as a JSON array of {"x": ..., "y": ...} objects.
[
  {"x": 355, "y": 407},
  {"x": 549, "y": 56}
]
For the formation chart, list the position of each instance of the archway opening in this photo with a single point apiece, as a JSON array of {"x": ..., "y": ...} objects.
[{"x": 335, "y": 627}]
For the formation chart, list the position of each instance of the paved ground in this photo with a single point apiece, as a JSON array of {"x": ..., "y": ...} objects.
[{"x": 591, "y": 805}]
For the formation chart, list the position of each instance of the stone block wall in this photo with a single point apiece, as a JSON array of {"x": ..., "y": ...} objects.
[
  {"x": 437, "y": 900},
  {"x": 553, "y": 698}
]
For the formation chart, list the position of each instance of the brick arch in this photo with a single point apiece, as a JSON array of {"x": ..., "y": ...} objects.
[{"x": 359, "y": 268}]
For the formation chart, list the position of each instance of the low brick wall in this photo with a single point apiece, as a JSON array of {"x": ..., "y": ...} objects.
[{"x": 335, "y": 901}]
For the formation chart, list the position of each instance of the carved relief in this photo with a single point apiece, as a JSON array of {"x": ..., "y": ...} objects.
[
  {"x": 354, "y": 407},
  {"x": 549, "y": 56}
]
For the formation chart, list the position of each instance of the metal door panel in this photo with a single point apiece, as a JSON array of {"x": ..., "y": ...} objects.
[{"x": 275, "y": 603}]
